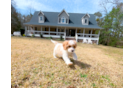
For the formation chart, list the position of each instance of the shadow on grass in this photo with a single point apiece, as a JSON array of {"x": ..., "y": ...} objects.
[{"x": 82, "y": 65}]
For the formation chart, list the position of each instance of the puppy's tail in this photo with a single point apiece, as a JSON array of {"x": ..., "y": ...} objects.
[{"x": 54, "y": 42}]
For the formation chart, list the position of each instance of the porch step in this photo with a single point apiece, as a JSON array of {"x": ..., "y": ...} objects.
[{"x": 70, "y": 39}]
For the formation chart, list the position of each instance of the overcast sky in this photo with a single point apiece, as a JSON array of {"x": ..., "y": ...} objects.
[{"x": 73, "y": 6}]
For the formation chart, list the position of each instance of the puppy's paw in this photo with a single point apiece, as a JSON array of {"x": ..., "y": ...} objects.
[
  {"x": 70, "y": 63},
  {"x": 55, "y": 57}
]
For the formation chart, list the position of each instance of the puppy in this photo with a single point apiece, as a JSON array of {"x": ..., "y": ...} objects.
[{"x": 64, "y": 50}]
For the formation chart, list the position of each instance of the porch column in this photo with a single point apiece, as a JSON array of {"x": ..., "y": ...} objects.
[
  {"x": 33, "y": 30},
  {"x": 76, "y": 31},
  {"x": 83, "y": 32},
  {"x": 76, "y": 36},
  {"x": 99, "y": 33},
  {"x": 98, "y": 38},
  {"x": 41, "y": 30},
  {"x": 28, "y": 30},
  {"x": 65, "y": 34},
  {"x": 49, "y": 30},
  {"x": 25, "y": 30},
  {"x": 97, "y": 42},
  {"x": 57, "y": 31},
  {"x": 28, "y": 27},
  {"x": 91, "y": 34}
]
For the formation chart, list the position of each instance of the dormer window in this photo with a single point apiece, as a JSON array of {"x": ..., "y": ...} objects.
[
  {"x": 40, "y": 18},
  {"x": 85, "y": 20},
  {"x": 63, "y": 17},
  {"x": 63, "y": 20}
]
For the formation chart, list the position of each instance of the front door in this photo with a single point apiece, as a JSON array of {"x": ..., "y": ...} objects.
[
  {"x": 67, "y": 32},
  {"x": 72, "y": 32}
]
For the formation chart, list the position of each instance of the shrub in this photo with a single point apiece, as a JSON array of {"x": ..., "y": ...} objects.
[
  {"x": 32, "y": 35},
  {"x": 41, "y": 36},
  {"x": 118, "y": 46},
  {"x": 61, "y": 38},
  {"x": 97, "y": 31},
  {"x": 50, "y": 37},
  {"x": 23, "y": 34}
]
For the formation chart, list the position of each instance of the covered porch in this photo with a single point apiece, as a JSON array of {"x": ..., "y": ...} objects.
[{"x": 67, "y": 32}]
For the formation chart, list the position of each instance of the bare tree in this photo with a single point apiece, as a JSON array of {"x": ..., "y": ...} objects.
[
  {"x": 116, "y": 2},
  {"x": 104, "y": 4},
  {"x": 13, "y": 3},
  {"x": 31, "y": 8}
]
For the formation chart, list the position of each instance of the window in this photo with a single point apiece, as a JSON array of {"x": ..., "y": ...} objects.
[
  {"x": 58, "y": 30},
  {"x": 41, "y": 19},
  {"x": 85, "y": 20},
  {"x": 79, "y": 31},
  {"x": 62, "y": 30},
  {"x": 63, "y": 20},
  {"x": 89, "y": 31},
  {"x": 35, "y": 28}
]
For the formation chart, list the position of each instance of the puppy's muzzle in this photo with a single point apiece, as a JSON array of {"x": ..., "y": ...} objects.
[{"x": 72, "y": 50}]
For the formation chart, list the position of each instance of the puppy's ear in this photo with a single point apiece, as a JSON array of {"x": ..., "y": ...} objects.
[
  {"x": 65, "y": 45},
  {"x": 75, "y": 45}
]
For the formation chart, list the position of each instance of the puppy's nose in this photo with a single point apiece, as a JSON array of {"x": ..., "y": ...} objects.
[{"x": 72, "y": 50}]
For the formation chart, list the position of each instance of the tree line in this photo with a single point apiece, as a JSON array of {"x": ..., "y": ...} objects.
[
  {"x": 112, "y": 24},
  {"x": 17, "y": 19}
]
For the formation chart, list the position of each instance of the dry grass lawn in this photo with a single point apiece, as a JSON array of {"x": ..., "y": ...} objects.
[{"x": 33, "y": 66}]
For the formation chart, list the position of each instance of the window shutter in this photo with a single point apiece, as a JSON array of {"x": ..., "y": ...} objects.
[
  {"x": 66, "y": 20},
  {"x": 59, "y": 20},
  {"x": 85, "y": 20}
]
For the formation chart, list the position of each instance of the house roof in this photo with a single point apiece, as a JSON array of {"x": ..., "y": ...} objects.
[
  {"x": 41, "y": 13},
  {"x": 51, "y": 19},
  {"x": 86, "y": 15},
  {"x": 62, "y": 12}
]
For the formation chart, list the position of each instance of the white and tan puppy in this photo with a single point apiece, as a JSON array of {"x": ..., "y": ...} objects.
[{"x": 65, "y": 50}]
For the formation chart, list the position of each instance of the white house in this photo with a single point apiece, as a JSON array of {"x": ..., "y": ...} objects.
[{"x": 69, "y": 25}]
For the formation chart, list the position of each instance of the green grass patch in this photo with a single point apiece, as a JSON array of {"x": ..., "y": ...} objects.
[
  {"x": 106, "y": 77},
  {"x": 93, "y": 84},
  {"x": 83, "y": 75}
]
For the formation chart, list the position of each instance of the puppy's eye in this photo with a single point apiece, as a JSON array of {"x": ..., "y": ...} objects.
[{"x": 69, "y": 46}]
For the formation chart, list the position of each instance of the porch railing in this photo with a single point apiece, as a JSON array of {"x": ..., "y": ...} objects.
[
  {"x": 88, "y": 35},
  {"x": 76, "y": 37},
  {"x": 41, "y": 32},
  {"x": 57, "y": 35},
  {"x": 46, "y": 34}
]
